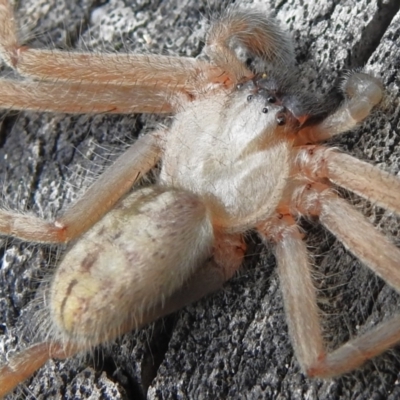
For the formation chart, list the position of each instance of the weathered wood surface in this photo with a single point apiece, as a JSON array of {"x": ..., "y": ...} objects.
[{"x": 234, "y": 344}]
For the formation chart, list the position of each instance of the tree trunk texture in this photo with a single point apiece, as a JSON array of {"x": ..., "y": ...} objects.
[{"x": 233, "y": 344}]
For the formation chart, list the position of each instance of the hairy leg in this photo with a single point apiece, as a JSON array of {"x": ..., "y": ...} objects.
[
  {"x": 297, "y": 287},
  {"x": 21, "y": 366},
  {"x": 156, "y": 74},
  {"x": 320, "y": 163},
  {"x": 85, "y": 212},
  {"x": 357, "y": 234},
  {"x": 363, "y": 92},
  {"x": 360, "y": 238},
  {"x": 75, "y": 98},
  {"x": 253, "y": 30}
]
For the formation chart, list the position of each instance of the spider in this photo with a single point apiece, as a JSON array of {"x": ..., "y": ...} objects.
[{"x": 243, "y": 153}]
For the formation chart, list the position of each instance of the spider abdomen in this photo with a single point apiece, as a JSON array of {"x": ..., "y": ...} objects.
[{"x": 150, "y": 256}]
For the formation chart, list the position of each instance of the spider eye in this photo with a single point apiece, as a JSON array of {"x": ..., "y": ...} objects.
[
  {"x": 250, "y": 97},
  {"x": 265, "y": 110},
  {"x": 271, "y": 99}
]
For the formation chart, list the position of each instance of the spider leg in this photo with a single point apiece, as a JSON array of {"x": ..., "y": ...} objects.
[
  {"x": 363, "y": 92},
  {"x": 85, "y": 212},
  {"x": 354, "y": 353},
  {"x": 8, "y": 37},
  {"x": 157, "y": 74},
  {"x": 260, "y": 35},
  {"x": 360, "y": 238},
  {"x": 368, "y": 181},
  {"x": 24, "y": 364},
  {"x": 356, "y": 233},
  {"x": 297, "y": 287},
  {"x": 302, "y": 310},
  {"x": 82, "y": 98}
]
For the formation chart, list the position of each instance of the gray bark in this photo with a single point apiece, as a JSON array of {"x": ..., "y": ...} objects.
[{"x": 235, "y": 343}]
